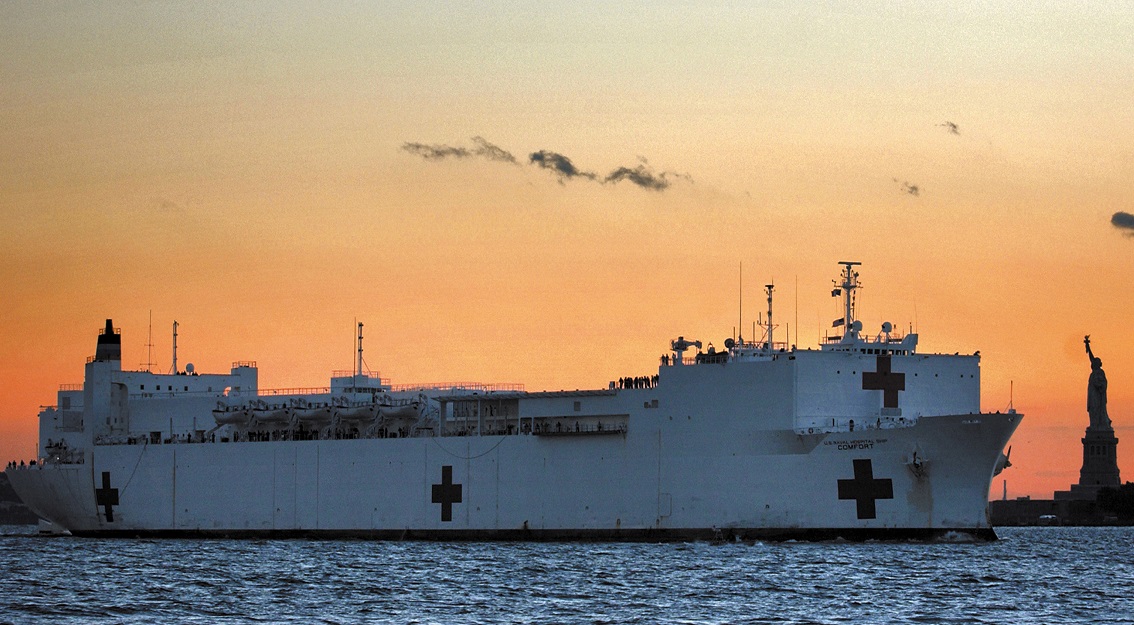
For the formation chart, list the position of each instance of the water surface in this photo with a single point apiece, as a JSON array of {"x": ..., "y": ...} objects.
[{"x": 1032, "y": 575}]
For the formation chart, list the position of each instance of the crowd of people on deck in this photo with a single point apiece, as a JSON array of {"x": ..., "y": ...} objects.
[{"x": 644, "y": 381}]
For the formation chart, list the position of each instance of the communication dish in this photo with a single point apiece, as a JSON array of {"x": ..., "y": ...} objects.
[
  {"x": 729, "y": 343},
  {"x": 857, "y": 326},
  {"x": 189, "y": 368},
  {"x": 887, "y": 327}
]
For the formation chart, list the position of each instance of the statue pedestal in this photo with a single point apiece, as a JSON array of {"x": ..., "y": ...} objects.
[{"x": 1100, "y": 466}]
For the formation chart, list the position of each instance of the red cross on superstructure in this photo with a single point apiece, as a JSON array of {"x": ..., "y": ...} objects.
[{"x": 884, "y": 380}]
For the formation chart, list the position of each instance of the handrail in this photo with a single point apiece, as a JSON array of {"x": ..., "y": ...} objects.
[
  {"x": 349, "y": 373},
  {"x": 314, "y": 390},
  {"x": 459, "y": 386}
]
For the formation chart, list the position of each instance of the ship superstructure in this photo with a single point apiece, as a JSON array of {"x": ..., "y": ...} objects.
[{"x": 860, "y": 437}]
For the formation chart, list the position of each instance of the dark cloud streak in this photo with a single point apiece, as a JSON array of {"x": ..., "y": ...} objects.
[
  {"x": 907, "y": 188},
  {"x": 560, "y": 165},
  {"x": 1123, "y": 221},
  {"x": 492, "y": 152},
  {"x": 640, "y": 176},
  {"x": 436, "y": 152},
  {"x": 440, "y": 151}
]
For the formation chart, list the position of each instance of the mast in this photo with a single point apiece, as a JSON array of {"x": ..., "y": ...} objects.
[
  {"x": 359, "y": 371},
  {"x": 847, "y": 288},
  {"x": 174, "y": 346},
  {"x": 150, "y": 345},
  {"x": 740, "y": 291},
  {"x": 769, "y": 288}
]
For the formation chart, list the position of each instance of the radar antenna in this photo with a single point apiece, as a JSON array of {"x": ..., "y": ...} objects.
[
  {"x": 149, "y": 364},
  {"x": 679, "y": 346}
]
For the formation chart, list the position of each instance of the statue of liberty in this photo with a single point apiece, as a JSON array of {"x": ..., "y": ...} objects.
[{"x": 1096, "y": 392}]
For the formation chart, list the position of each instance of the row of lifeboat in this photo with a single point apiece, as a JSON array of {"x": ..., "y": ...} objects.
[{"x": 339, "y": 412}]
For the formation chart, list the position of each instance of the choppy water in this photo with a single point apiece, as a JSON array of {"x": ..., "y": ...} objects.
[{"x": 1033, "y": 575}]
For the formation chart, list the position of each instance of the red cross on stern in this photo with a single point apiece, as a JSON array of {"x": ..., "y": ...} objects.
[
  {"x": 884, "y": 380},
  {"x": 106, "y": 497}
]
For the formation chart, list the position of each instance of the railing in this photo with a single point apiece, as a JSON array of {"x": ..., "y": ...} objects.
[
  {"x": 459, "y": 386},
  {"x": 584, "y": 430},
  {"x": 878, "y": 339},
  {"x": 244, "y": 363},
  {"x": 350, "y": 373},
  {"x": 318, "y": 390},
  {"x": 70, "y": 387}
]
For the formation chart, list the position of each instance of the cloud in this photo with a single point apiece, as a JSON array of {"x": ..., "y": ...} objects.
[
  {"x": 1123, "y": 221},
  {"x": 951, "y": 127},
  {"x": 492, "y": 152},
  {"x": 436, "y": 152},
  {"x": 167, "y": 204},
  {"x": 640, "y": 176},
  {"x": 560, "y": 165},
  {"x": 439, "y": 151},
  {"x": 906, "y": 187}
]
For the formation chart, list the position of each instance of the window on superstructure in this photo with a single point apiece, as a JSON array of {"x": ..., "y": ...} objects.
[{"x": 578, "y": 406}]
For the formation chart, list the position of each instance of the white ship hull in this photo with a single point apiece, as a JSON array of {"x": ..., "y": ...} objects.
[
  {"x": 860, "y": 438},
  {"x": 649, "y": 484}
]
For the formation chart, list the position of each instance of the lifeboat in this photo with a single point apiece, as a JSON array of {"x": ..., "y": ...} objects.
[
  {"x": 272, "y": 413},
  {"x": 231, "y": 415},
  {"x": 317, "y": 415},
  {"x": 395, "y": 413},
  {"x": 356, "y": 414}
]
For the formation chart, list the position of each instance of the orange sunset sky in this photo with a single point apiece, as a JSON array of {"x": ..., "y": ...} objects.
[{"x": 266, "y": 173}]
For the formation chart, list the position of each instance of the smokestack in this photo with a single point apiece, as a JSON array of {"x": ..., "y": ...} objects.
[{"x": 109, "y": 344}]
